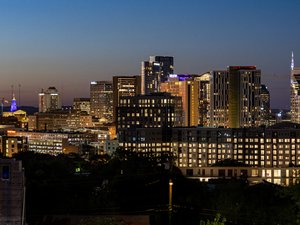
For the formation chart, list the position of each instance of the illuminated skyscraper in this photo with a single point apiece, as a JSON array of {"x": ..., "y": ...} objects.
[
  {"x": 244, "y": 96},
  {"x": 230, "y": 98},
  {"x": 49, "y": 100},
  {"x": 124, "y": 86},
  {"x": 265, "y": 105},
  {"x": 101, "y": 95},
  {"x": 213, "y": 98},
  {"x": 295, "y": 92},
  {"x": 185, "y": 87},
  {"x": 204, "y": 84},
  {"x": 155, "y": 71}
]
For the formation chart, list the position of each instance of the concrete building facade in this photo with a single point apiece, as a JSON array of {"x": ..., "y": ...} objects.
[
  {"x": 124, "y": 86},
  {"x": 101, "y": 96},
  {"x": 49, "y": 100},
  {"x": 12, "y": 192}
]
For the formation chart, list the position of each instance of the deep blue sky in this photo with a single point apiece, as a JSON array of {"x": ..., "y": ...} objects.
[{"x": 68, "y": 43}]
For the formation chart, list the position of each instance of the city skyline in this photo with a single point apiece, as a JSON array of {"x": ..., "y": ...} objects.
[{"x": 69, "y": 44}]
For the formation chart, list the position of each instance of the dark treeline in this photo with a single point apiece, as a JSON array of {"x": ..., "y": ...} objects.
[{"x": 130, "y": 183}]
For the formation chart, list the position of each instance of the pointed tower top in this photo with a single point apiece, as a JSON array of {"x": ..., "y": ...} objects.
[{"x": 292, "y": 63}]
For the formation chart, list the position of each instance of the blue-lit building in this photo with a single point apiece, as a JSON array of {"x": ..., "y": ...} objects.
[{"x": 13, "y": 106}]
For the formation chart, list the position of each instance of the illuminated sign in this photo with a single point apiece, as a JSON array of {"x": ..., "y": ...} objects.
[{"x": 11, "y": 132}]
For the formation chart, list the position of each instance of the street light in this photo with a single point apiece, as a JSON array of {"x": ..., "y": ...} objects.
[
  {"x": 170, "y": 194},
  {"x": 170, "y": 200}
]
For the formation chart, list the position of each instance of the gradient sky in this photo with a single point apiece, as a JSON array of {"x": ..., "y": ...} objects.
[{"x": 68, "y": 43}]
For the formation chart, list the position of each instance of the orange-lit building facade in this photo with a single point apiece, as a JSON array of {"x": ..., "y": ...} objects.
[{"x": 185, "y": 87}]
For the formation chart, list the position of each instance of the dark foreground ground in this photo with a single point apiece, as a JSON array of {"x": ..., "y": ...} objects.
[{"x": 69, "y": 190}]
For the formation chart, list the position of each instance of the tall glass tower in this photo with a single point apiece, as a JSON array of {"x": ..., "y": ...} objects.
[
  {"x": 295, "y": 92},
  {"x": 155, "y": 71}
]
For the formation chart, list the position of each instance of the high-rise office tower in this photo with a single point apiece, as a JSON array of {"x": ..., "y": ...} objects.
[
  {"x": 156, "y": 110},
  {"x": 231, "y": 97},
  {"x": 265, "y": 104},
  {"x": 213, "y": 98},
  {"x": 185, "y": 87},
  {"x": 101, "y": 95},
  {"x": 49, "y": 100},
  {"x": 124, "y": 86},
  {"x": 204, "y": 84},
  {"x": 155, "y": 71},
  {"x": 295, "y": 92},
  {"x": 244, "y": 96}
]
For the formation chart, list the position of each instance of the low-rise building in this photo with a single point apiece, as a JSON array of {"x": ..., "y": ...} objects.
[
  {"x": 53, "y": 143},
  {"x": 21, "y": 116},
  {"x": 273, "y": 147},
  {"x": 82, "y": 105},
  {"x": 277, "y": 175},
  {"x": 10, "y": 145},
  {"x": 12, "y": 192}
]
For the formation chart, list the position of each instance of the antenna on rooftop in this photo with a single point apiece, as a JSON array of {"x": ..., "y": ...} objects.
[
  {"x": 19, "y": 95},
  {"x": 292, "y": 63}
]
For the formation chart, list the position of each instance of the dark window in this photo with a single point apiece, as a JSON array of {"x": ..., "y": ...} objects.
[
  {"x": 5, "y": 172},
  {"x": 189, "y": 172},
  {"x": 221, "y": 173},
  {"x": 230, "y": 173}
]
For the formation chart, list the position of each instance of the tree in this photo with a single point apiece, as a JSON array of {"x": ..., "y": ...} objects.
[
  {"x": 218, "y": 220},
  {"x": 101, "y": 221}
]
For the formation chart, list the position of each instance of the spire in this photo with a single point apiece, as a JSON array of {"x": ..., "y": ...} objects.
[{"x": 292, "y": 63}]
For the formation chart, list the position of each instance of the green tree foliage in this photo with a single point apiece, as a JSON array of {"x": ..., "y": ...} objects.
[
  {"x": 218, "y": 220},
  {"x": 130, "y": 182},
  {"x": 101, "y": 221}
]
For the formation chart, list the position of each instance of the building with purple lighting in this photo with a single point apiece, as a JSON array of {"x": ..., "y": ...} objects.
[{"x": 184, "y": 86}]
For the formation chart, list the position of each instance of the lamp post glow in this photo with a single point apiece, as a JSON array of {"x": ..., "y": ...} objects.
[
  {"x": 170, "y": 194},
  {"x": 170, "y": 200}
]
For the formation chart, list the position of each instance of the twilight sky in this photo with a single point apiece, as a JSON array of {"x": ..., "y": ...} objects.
[{"x": 68, "y": 43}]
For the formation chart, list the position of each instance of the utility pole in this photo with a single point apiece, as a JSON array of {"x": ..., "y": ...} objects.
[{"x": 19, "y": 100}]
